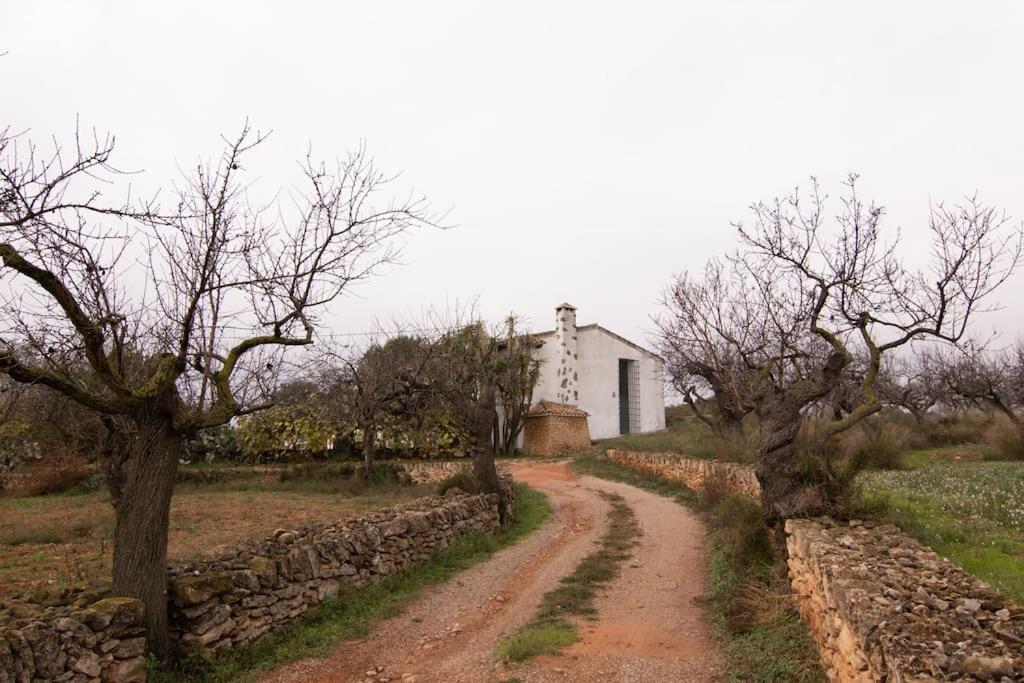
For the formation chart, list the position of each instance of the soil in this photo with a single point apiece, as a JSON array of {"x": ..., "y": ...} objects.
[{"x": 651, "y": 623}]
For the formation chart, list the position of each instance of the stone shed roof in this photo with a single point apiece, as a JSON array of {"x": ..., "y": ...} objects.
[{"x": 543, "y": 408}]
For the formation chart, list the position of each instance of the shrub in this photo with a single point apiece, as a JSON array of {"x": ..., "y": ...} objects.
[
  {"x": 58, "y": 475},
  {"x": 1004, "y": 441},
  {"x": 217, "y": 443},
  {"x": 381, "y": 474},
  {"x": 948, "y": 429},
  {"x": 464, "y": 481},
  {"x": 877, "y": 445},
  {"x": 741, "y": 533}
]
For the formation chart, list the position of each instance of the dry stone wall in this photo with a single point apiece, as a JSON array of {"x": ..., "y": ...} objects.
[
  {"x": 434, "y": 471},
  {"x": 693, "y": 473},
  {"x": 231, "y": 600},
  {"x": 883, "y": 607},
  {"x": 74, "y": 638}
]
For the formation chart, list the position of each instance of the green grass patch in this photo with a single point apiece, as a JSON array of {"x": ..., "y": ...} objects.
[
  {"x": 969, "y": 511},
  {"x": 352, "y": 613},
  {"x": 538, "y": 638},
  {"x": 762, "y": 634},
  {"x": 551, "y": 630}
]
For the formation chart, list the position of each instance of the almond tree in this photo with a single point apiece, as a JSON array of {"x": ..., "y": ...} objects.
[
  {"x": 986, "y": 378},
  {"x": 168, "y": 322},
  {"x": 800, "y": 298}
]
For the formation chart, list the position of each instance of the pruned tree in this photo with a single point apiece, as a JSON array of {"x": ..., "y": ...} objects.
[
  {"x": 800, "y": 298},
  {"x": 166, "y": 322}
]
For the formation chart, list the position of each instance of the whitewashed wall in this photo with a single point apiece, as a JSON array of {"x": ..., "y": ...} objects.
[{"x": 598, "y": 368}]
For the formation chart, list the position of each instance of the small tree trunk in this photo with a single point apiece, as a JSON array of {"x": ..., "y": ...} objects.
[
  {"x": 784, "y": 491},
  {"x": 484, "y": 469},
  {"x": 141, "y": 482},
  {"x": 368, "y": 439}
]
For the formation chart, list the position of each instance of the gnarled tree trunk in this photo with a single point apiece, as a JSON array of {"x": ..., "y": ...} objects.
[
  {"x": 141, "y": 480},
  {"x": 784, "y": 491}
]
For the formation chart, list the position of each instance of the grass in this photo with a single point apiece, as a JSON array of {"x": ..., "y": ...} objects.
[
  {"x": 762, "y": 634},
  {"x": 552, "y": 628},
  {"x": 537, "y": 639},
  {"x": 351, "y": 614},
  {"x": 683, "y": 434},
  {"x": 969, "y": 511}
]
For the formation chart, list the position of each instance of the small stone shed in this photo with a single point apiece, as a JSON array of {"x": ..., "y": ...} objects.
[{"x": 555, "y": 429}]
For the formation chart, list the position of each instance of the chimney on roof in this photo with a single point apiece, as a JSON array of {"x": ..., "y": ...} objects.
[{"x": 566, "y": 355}]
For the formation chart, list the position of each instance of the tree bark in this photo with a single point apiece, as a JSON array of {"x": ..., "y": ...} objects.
[
  {"x": 784, "y": 491},
  {"x": 368, "y": 439},
  {"x": 141, "y": 481},
  {"x": 484, "y": 469}
]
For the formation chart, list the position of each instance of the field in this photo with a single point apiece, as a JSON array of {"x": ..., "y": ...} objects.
[
  {"x": 970, "y": 511},
  {"x": 61, "y": 540}
]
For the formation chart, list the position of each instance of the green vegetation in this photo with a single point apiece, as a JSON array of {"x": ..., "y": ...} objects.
[
  {"x": 551, "y": 629},
  {"x": 538, "y": 638},
  {"x": 683, "y": 434},
  {"x": 763, "y": 637},
  {"x": 351, "y": 614},
  {"x": 969, "y": 511}
]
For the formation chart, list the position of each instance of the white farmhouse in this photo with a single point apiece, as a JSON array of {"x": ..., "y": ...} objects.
[{"x": 619, "y": 383}]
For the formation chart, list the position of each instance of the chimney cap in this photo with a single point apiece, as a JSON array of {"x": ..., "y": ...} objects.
[{"x": 565, "y": 305}]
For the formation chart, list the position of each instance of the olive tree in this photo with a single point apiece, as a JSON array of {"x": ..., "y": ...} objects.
[{"x": 166, "y": 322}]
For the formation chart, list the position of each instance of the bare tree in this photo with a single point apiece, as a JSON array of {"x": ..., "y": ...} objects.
[
  {"x": 698, "y": 360},
  {"x": 912, "y": 382},
  {"x": 798, "y": 300},
  {"x": 988, "y": 379},
  {"x": 168, "y": 322}
]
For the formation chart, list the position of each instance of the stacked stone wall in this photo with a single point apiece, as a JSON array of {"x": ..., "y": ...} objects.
[
  {"x": 884, "y": 607},
  {"x": 229, "y": 601},
  {"x": 555, "y": 435},
  {"x": 693, "y": 473},
  {"x": 74, "y": 638},
  {"x": 434, "y": 471}
]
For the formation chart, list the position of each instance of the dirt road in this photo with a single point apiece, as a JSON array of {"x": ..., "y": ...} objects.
[{"x": 650, "y": 626}]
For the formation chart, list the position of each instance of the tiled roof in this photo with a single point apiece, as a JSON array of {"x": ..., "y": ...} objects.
[{"x": 543, "y": 408}]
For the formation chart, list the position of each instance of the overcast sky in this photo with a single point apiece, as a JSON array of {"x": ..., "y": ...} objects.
[{"x": 588, "y": 150}]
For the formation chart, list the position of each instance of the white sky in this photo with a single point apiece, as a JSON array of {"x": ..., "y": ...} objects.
[{"x": 589, "y": 150}]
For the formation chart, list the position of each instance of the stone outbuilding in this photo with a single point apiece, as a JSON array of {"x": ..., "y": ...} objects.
[{"x": 555, "y": 429}]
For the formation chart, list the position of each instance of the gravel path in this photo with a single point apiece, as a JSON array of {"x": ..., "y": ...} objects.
[{"x": 650, "y": 625}]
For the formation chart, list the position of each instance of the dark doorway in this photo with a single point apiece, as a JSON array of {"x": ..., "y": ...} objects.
[{"x": 623, "y": 396}]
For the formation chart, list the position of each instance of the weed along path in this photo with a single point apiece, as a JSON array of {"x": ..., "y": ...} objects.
[{"x": 649, "y": 625}]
